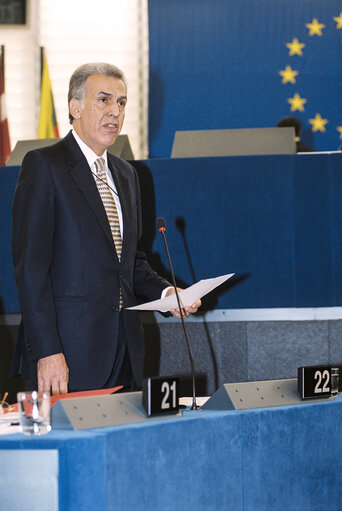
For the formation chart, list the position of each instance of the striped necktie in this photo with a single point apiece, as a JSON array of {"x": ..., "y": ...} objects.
[
  {"x": 110, "y": 207},
  {"x": 109, "y": 204}
]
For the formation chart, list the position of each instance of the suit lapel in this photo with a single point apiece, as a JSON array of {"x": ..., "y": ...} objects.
[{"x": 84, "y": 180}]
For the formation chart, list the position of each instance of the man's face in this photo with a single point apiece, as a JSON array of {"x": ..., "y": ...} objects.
[{"x": 98, "y": 118}]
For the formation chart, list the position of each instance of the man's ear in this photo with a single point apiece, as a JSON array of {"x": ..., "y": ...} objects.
[{"x": 75, "y": 108}]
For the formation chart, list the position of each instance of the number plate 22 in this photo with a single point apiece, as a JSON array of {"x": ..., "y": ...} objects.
[{"x": 314, "y": 382}]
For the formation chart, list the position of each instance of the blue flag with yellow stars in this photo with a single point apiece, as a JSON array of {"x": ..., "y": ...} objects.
[{"x": 231, "y": 64}]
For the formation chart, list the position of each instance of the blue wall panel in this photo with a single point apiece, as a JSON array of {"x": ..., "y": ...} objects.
[
  {"x": 8, "y": 293},
  {"x": 313, "y": 232},
  {"x": 274, "y": 221}
]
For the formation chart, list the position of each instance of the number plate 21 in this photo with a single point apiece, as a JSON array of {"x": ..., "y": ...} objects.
[{"x": 161, "y": 395}]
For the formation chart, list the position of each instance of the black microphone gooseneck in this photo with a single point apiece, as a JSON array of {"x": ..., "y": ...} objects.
[{"x": 161, "y": 226}]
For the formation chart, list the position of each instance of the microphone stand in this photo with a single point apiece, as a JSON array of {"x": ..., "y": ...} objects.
[{"x": 162, "y": 230}]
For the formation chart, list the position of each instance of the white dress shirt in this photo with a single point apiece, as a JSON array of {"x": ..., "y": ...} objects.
[{"x": 91, "y": 157}]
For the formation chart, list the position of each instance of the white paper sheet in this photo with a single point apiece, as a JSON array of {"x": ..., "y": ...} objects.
[
  {"x": 188, "y": 296},
  {"x": 9, "y": 423}
]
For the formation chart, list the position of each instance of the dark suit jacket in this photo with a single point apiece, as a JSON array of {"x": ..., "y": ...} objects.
[{"x": 67, "y": 271}]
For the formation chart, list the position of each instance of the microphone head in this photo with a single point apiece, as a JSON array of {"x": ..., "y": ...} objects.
[{"x": 161, "y": 224}]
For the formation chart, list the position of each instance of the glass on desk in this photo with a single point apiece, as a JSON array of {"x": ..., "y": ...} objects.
[
  {"x": 34, "y": 412},
  {"x": 335, "y": 376}
]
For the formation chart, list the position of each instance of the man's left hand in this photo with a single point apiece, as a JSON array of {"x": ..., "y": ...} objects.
[{"x": 189, "y": 309}]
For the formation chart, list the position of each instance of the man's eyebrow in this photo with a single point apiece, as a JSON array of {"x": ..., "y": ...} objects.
[{"x": 103, "y": 93}]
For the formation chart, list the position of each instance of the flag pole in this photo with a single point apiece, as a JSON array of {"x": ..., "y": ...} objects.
[
  {"x": 41, "y": 65},
  {"x": 5, "y": 144},
  {"x": 2, "y": 57}
]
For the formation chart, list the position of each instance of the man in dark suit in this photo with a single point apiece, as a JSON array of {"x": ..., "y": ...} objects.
[{"x": 76, "y": 225}]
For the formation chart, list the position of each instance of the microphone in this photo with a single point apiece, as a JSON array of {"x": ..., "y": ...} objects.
[{"x": 161, "y": 226}]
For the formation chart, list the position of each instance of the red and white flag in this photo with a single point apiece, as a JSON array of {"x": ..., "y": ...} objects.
[{"x": 5, "y": 148}]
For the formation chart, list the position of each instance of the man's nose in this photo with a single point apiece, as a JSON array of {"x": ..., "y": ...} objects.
[{"x": 114, "y": 110}]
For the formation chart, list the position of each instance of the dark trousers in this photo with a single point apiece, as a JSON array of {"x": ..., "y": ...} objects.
[{"x": 122, "y": 371}]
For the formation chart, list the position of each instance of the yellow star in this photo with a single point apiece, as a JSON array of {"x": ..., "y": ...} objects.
[
  {"x": 339, "y": 129},
  {"x": 338, "y": 20},
  {"x": 318, "y": 124},
  {"x": 315, "y": 27},
  {"x": 295, "y": 47},
  {"x": 289, "y": 75},
  {"x": 297, "y": 103}
]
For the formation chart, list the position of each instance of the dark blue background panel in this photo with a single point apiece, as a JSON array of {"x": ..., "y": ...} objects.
[
  {"x": 313, "y": 230},
  {"x": 336, "y": 227},
  {"x": 8, "y": 292},
  {"x": 216, "y": 65},
  {"x": 274, "y": 221}
]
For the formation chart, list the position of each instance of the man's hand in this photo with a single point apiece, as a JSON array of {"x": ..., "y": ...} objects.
[
  {"x": 53, "y": 374},
  {"x": 189, "y": 309}
]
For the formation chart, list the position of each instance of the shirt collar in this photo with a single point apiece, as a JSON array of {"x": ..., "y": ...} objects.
[{"x": 89, "y": 154}]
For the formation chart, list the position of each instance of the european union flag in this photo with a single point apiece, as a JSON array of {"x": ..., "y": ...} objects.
[{"x": 222, "y": 64}]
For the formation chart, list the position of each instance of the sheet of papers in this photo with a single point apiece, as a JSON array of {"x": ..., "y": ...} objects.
[
  {"x": 9, "y": 429},
  {"x": 188, "y": 296},
  {"x": 9, "y": 423}
]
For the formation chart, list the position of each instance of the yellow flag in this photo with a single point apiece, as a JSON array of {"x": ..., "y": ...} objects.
[{"x": 48, "y": 127}]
